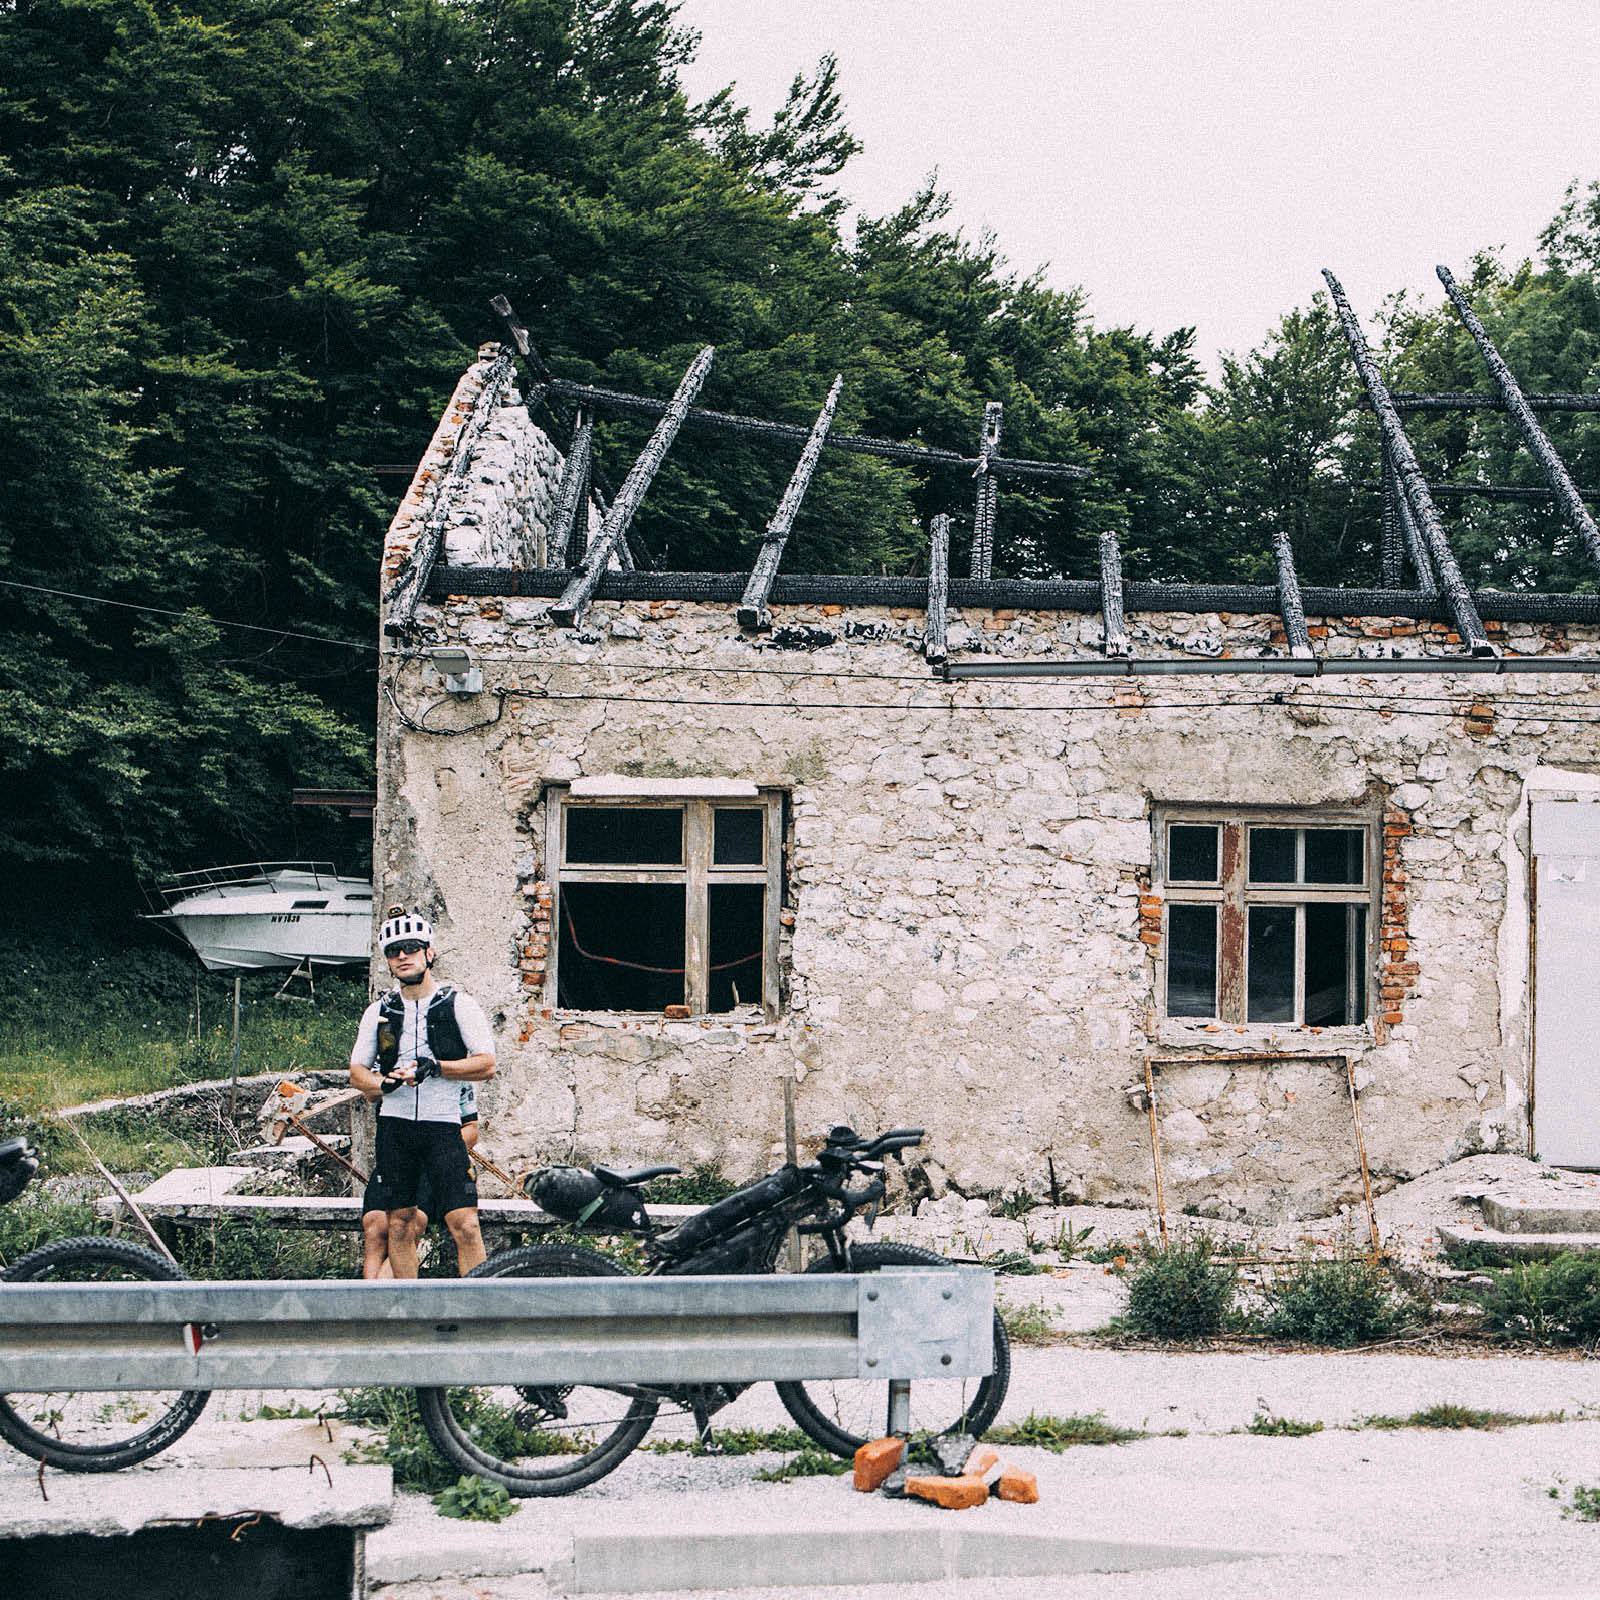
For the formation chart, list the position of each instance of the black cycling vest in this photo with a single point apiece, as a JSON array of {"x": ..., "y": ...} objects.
[{"x": 444, "y": 1035}]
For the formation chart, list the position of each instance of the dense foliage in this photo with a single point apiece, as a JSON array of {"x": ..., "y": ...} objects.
[{"x": 247, "y": 245}]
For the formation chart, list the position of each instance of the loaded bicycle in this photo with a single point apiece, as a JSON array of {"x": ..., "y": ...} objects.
[
  {"x": 553, "y": 1439},
  {"x": 96, "y": 1431}
]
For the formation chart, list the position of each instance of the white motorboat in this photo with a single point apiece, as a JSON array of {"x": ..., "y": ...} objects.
[{"x": 264, "y": 914}]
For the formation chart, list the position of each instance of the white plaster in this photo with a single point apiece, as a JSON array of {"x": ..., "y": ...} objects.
[{"x": 614, "y": 786}]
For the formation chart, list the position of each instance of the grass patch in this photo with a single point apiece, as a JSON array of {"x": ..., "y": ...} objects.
[
  {"x": 1454, "y": 1416},
  {"x": 1062, "y": 1433},
  {"x": 32, "y": 1220},
  {"x": 251, "y": 1249},
  {"x": 1029, "y": 1324},
  {"x": 1340, "y": 1302},
  {"x": 807, "y": 1463},
  {"x": 1267, "y": 1426},
  {"x": 1178, "y": 1293},
  {"x": 701, "y": 1186},
  {"x": 1553, "y": 1302}
]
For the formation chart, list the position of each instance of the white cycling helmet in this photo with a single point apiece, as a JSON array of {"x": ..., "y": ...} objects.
[{"x": 400, "y": 925}]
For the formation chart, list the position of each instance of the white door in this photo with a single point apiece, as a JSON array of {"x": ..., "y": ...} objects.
[{"x": 1566, "y": 982}]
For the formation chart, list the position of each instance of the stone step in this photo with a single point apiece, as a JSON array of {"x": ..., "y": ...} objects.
[
  {"x": 1500, "y": 1246},
  {"x": 1569, "y": 1215}
]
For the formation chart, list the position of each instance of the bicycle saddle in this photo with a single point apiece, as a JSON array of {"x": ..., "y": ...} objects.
[{"x": 624, "y": 1180}]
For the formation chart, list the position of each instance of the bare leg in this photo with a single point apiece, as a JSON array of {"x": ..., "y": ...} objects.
[
  {"x": 463, "y": 1226},
  {"x": 403, "y": 1242},
  {"x": 374, "y": 1243}
]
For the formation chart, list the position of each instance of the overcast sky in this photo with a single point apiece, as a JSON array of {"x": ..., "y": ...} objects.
[{"x": 1197, "y": 162}]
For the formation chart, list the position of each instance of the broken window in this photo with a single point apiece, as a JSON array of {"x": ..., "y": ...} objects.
[
  {"x": 663, "y": 904},
  {"x": 1267, "y": 915}
]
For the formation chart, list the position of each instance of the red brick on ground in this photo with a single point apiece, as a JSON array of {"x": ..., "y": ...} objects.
[
  {"x": 875, "y": 1460},
  {"x": 1019, "y": 1486},
  {"x": 954, "y": 1494}
]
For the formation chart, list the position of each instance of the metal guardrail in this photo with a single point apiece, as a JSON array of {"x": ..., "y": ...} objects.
[{"x": 313, "y": 1334}]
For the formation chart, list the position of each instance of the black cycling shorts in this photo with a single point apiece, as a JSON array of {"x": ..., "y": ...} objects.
[{"x": 421, "y": 1164}]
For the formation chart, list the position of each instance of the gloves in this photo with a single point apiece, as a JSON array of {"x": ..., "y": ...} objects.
[{"x": 426, "y": 1067}]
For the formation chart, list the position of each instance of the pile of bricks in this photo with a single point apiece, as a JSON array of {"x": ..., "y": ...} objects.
[{"x": 970, "y": 1473}]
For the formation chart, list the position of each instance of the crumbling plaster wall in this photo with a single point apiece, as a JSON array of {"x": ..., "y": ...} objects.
[{"x": 975, "y": 935}]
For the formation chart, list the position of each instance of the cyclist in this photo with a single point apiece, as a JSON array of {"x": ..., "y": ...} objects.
[
  {"x": 376, "y": 1201},
  {"x": 415, "y": 1048}
]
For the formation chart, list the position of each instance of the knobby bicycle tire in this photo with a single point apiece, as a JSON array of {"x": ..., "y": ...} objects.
[
  {"x": 841, "y": 1414},
  {"x": 587, "y": 1430},
  {"x": 39, "y": 1424}
]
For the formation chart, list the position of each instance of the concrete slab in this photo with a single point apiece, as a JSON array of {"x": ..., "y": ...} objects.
[
  {"x": 1524, "y": 1216},
  {"x": 1499, "y": 1246}
]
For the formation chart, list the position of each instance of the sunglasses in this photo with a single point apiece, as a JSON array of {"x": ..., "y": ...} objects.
[{"x": 406, "y": 947}]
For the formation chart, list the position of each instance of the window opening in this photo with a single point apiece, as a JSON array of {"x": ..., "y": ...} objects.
[
  {"x": 308, "y": 905},
  {"x": 1268, "y": 919},
  {"x": 661, "y": 906}
]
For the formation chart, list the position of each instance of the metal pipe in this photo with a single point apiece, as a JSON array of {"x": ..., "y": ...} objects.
[
  {"x": 1277, "y": 666},
  {"x": 1555, "y": 472},
  {"x": 1114, "y": 627},
  {"x": 1289, "y": 606},
  {"x": 982, "y": 564},
  {"x": 1412, "y": 485},
  {"x": 580, "y": 591},
  {"x": 753, "y": 611}
]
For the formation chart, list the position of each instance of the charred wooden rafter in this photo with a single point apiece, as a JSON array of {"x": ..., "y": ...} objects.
[
  {"x": 1573, "y": 510},
  {"x": 1290, "y": 607},
  {"x": 1114, "y": 636},
  {"x": 982, "y": 564},
  {"x": 1412, "y": 486},
  {"x": 581, "y": 590},
  {"x": 934, "y": 647},
  {"x": 569, "y": 532},
  {"x": 753, "y": 610}
]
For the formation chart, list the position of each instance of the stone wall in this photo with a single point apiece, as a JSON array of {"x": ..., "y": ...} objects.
[{"x": 972, "y": 936}]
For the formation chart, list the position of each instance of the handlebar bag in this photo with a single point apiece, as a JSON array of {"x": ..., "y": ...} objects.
[{"x": 727, "y": 1213}]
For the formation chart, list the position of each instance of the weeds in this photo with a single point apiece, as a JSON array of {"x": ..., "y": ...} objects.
[
  {"x": 475, "y": 1499},
  {"x": 1029, "y": 1324},
  {"x": 1267, "y": 1426},
  {"x": 733, "y": 1442},
  {"x": 1453, "y": 1416},
  {"x": 1062, "y": 1433},
  {"x": 809, "y": 1462},
  {"x": 1012, "y": 1264},
  {"x": 703, "y": 1186},
  {"x": 27, "y": 1223},
  {"x": 1341, "y": 1302},
  {"x": 1017, "y": 1204},
  {"x": 1177, "y": 1293},
  {"x": 1548, "y": 1302},
  {"x": 1584, "y": 1506},
  {"x": 1067, "y": 1241},
  {"x": 252, "y": 1248}
]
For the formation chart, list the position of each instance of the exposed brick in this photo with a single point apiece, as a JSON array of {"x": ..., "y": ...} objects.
[
  {"x": 875, "y": 1460},
  {"x": 954, "y": 1494},
  {"x": 1018, "y": 1486},
  {"x": 983, "y": 1457}
]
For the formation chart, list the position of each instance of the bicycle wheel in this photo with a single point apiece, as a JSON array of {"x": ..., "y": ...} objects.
[
  {"x": 538, "y": 1439},
  {"x": 841, "y": 1414},
  {"x": 101, "y": 1430}
]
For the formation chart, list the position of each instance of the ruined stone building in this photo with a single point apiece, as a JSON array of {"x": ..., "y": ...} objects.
[{"x": 975, "y": 854}]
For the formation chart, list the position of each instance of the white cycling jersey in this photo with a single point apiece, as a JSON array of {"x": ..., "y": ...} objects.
[{"x": 438, "y": 1099}]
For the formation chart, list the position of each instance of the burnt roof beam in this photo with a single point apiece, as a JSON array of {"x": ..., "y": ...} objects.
[
  {"x": 1114, "y": 634},
  {"x": 1555, "y": 473},
  {"x": 982, "y": 564},
  {"x": 754, "y": 612},
  {"x": 855, "y": 443},
  {"x": 569, "y": 538},
  {"x": 1290, "y": 606},
  {"x": 935, "y": 648},
  {"x": 577, "y": 595},
  {"x": 1414, "y": 489}
]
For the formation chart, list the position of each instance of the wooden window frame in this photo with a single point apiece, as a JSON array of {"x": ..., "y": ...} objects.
[
  {"x": 697, "y": 873},
  {"x": 1233, "y": 894}
]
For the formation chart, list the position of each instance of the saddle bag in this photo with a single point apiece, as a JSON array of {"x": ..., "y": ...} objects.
[{"x": 575, "y": 1195}]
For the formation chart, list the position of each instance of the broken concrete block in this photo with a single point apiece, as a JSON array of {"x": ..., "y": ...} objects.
[
  {"x": 875, "y": 1460},
  {"x": 954, "y": 1494},
  {"x": 951, "y": 1451},
  {"x": 1016, "y": 1485},
  {"x": 895, "y": 1484}
]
